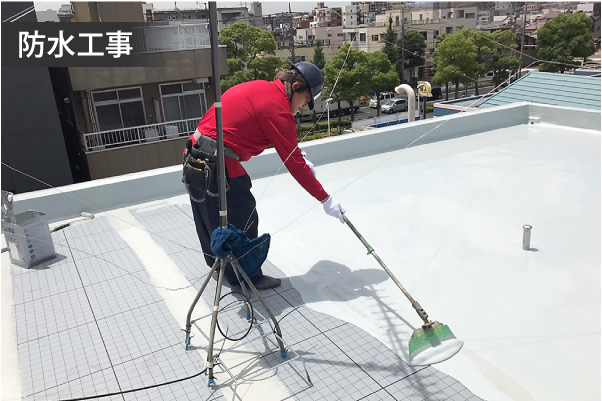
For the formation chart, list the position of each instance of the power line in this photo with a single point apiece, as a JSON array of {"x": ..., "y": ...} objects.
[
  {"x": 20, "y": 14},
  {"x": 512, "y": 49}
]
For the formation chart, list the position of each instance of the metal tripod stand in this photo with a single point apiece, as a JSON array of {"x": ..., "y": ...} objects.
[
  {"x": 234, "y": 261},
  {"x": 223, "y": 213}
]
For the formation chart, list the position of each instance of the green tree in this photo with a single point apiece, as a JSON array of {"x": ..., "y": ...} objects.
[
  {"x": 245, "y": 45},
  {"x": 319, "y": 59},
  {"x": 502, "y": 61},
  {"x": 383, "y": 76},
  {"x": 455, "y": 60},
  {"x": 415, "y": 47},
  {"x": 258, "y": 68},
  {"x": 438, "y": 39},
  {"x": 563, "y": 39},
  {"x": 493, "y": 54},
  {"x": 246, "y": 42},
  {"x": 235, "y": 79},
  {"x": 347, "y": 77},
  {"x": 390, "y": 48},
  {"x": 484, "y": 44}
]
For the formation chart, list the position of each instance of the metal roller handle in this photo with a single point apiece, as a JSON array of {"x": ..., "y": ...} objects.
[{"x": 421, "y": 312}]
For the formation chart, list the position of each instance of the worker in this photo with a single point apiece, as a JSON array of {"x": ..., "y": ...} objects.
[{"x": 255, "y": 115}]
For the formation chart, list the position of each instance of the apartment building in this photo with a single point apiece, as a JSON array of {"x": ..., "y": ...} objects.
[
  {"x": 437, "y": 18},
  {"x": 326, "y": 17},
  {"x": 131, "y": 119},
  {"x": 332, "y": 39},
  {"x": 352, "y": 16},
  {"x": 225, "y": 16}
]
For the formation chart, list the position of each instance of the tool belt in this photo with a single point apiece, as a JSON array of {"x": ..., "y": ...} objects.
[{"x": 199, "y": 173}]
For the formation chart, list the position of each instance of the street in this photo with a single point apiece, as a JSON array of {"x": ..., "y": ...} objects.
[{"x": 368, "y": 112}]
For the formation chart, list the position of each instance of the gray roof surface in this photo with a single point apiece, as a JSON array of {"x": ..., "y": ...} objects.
[
  {"x": 444, "y": 204},
  {"x": 550, "y": 88}
]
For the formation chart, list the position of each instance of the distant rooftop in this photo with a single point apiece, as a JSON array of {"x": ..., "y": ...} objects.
[{"x": 550, "y": 88}]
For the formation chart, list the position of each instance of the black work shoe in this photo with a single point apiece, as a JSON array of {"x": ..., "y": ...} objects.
[{"x": 266, "y": 282}]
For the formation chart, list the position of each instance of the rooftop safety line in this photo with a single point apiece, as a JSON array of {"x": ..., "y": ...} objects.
[
  {"x": 520, "y": 52},
  {"x": 98, "y": 257},
  {"x": 304, "y": 136},
  {"x": 20, "y": 14},
  {"x": 265, "y": 189},
  {"x": 394, "y": 154},
  {"x": 130, "y": 224},
  {"x": 466, "y": 76},
  {"x": 97, "y": 210}
]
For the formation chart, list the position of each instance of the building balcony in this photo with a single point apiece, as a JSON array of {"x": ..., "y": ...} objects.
[
  {"x": 427, "y": 21},
  {"x": 126, "y": 137},
  {"x": 170, "y": 53},
  {"x": 159, "y": 38}
]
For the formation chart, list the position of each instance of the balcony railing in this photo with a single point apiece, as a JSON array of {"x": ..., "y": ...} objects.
[
  {"x": 160, "y": 38},
  {"x": 428, "y": 21},
  {"x": 124, "y": 137}
]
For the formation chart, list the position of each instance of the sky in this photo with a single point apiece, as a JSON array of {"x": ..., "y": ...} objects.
[{"x": 268, "y": 7}]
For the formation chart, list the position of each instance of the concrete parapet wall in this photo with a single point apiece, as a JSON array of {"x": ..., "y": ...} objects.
[{"x": 110, "y": 193}]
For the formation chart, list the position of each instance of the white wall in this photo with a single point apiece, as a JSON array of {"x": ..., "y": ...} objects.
[{"x": 110, "y": 193}]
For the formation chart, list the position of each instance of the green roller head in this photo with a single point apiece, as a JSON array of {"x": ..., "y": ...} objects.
[{"x": 433, "y": 344}]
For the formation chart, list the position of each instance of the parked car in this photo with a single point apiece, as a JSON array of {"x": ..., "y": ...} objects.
[
  {"x": 436, "y": 92},
  {"x": 394, "y": 106},
  {"x": 384, "y": 96}
]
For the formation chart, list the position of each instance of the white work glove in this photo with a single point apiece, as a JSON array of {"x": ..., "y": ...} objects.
[
  {"x": 334, "y": 209},
  {"x": 310, "y": 164}
]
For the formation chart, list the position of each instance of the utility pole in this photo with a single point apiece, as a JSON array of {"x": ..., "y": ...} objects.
[
  {"x": 522, "y": 39},
  {"x": 403, "y": 35},
  {"x": 291, "y": 34}
]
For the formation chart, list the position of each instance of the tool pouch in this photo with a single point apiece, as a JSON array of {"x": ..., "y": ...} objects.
[{"x": 199, "y": 173}]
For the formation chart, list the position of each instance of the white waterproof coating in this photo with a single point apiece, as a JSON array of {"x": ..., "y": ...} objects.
[{"x": 432, "y": 355}]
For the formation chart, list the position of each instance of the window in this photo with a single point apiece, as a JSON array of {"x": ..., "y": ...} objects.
[
  {"x": 460, "y": 14},
  {"x": 469, "y": 15},
  {"x": 121, "y": 108},
  {"x": 183, "y": 100},
  {"x": 362, "y": 37},
  {"x": 375, "y": 38},
  {"x": 449, "y": 29}
]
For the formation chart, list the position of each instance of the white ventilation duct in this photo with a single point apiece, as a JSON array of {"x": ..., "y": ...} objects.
[{"x": 411, "y": 100}]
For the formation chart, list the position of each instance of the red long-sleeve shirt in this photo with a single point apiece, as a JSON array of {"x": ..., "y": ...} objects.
[{"x": 257, "y": 114}]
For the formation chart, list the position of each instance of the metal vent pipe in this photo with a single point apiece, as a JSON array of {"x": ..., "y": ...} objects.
[
  {"x": 411, "y": 100},
  {"x": 527, "y": 237}
]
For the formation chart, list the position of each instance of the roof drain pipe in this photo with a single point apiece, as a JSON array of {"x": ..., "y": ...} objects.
[{"x": 411, "y": 100}]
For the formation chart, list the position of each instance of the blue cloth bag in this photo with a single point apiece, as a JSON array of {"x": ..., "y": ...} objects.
[{"x": 251, "y": 253}]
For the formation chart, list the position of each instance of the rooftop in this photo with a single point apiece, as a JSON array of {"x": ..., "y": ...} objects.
[
  {"x": 443, "y": 201},
  {"x": 550, "y": 88}
]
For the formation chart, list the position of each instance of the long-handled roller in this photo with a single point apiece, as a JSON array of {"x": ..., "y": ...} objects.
[{"x": 433, "y": 342}]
